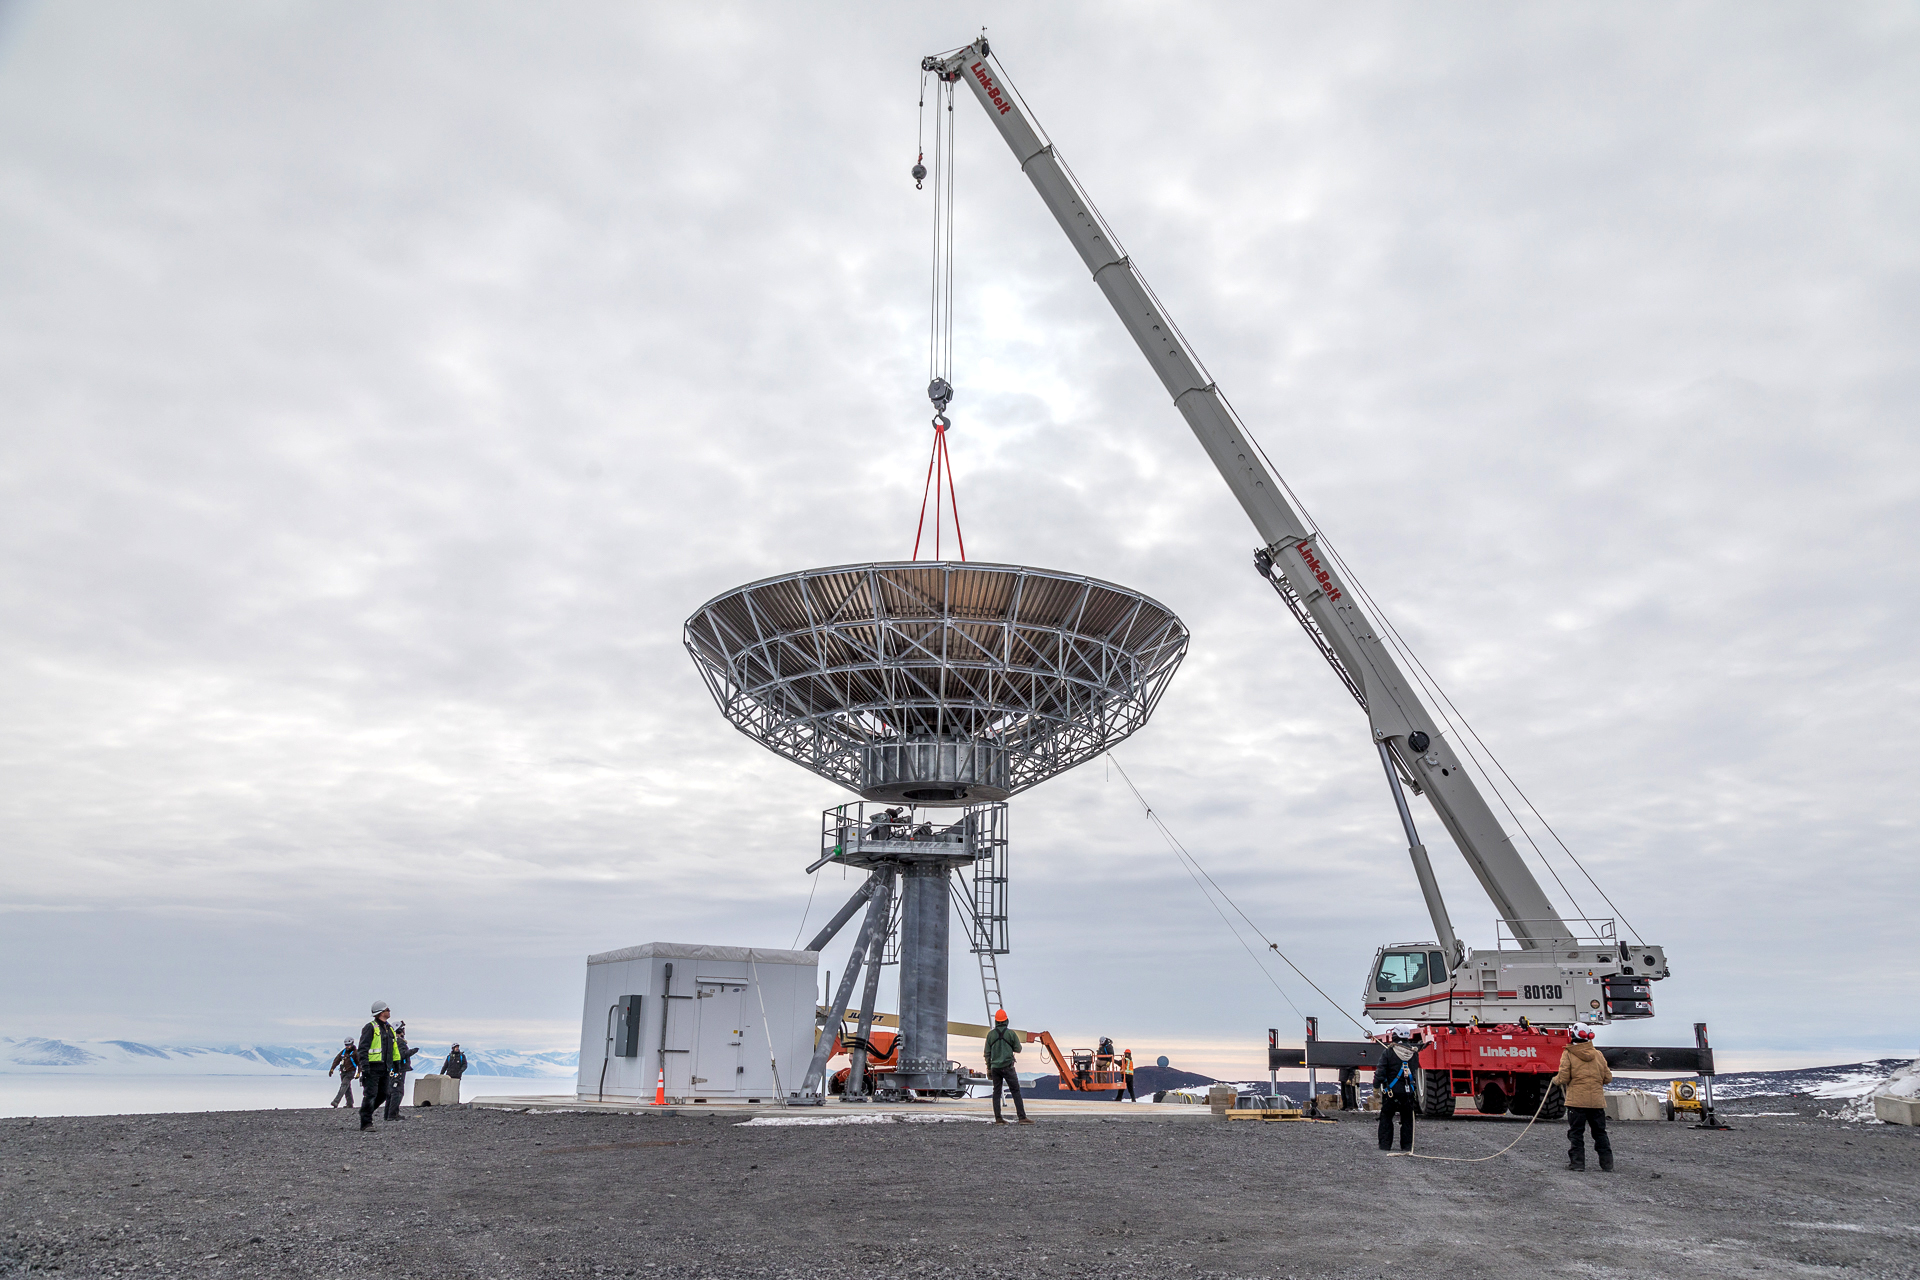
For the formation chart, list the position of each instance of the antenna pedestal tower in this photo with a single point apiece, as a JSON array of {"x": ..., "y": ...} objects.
[{"x": 919, "y": 685}]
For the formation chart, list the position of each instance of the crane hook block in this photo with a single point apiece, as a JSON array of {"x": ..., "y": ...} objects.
[
  {"x": 940, "y": 391},
  {"x": 940, "y": 422},
  {"x": 919, "y": 175}
]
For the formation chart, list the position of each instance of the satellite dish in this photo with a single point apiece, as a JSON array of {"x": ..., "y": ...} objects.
[{"x": 936, "y": 682}]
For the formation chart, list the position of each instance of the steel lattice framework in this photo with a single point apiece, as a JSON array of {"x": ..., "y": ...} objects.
[{"x": 991, "y": 676}]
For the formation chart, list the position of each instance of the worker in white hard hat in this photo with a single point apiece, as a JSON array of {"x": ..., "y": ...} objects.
[
  {"x": 346, "y": 1062},
  {"x": 1396, "y": 1080},
  {"x": 379, "y": 1053},
  {"x": 1583, "y": 1077},
  {"x": 397, "y": 1073}
]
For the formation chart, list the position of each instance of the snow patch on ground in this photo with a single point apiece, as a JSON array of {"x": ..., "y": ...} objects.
[{"x": 1902, "y": 1082}]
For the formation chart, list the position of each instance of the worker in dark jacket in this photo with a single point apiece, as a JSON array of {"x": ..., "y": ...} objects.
[
  {"x": 456, "y": 1063},
  {"x": 1003, "y": 1043},
  {"x": 343, "y": 1062},
  {"x": 397, "y": 1093},
  {"x": 1396, "y": 1080},
  {"x": 379, "y": 1053},
  {"x": 1349, "y": 1088}
]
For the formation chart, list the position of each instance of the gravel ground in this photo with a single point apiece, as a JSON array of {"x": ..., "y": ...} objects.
[{"x": 459, "y": 1193}]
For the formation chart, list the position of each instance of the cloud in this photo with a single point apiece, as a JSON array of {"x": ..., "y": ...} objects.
[{"x": 385, "y": 388}]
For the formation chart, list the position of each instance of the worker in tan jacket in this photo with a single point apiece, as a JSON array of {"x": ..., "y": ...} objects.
[{"x": 1583, "y": 1077}]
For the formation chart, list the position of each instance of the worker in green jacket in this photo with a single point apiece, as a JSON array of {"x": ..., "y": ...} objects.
[
  {"x": 1003, "y": 1043},
  {"x": 379, "y": 1059}
]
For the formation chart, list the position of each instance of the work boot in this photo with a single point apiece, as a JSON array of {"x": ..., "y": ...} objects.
[
  {"x": 1576, "y": 1166},
  {"x": 1024, "y": 1120},
  {"x": 998, "y": 1120},
  {"x": 1606, "y": 1164},
  {"x": 365, "y": 1125}
]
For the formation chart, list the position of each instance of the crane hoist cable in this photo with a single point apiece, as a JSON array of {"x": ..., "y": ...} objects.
[{"x": 938, "y": 486}]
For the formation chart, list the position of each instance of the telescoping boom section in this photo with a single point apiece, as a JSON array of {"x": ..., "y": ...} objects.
[{"x": 1546, "y": 969}]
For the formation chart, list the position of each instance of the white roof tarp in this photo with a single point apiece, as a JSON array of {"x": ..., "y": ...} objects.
[{"x": 702, "y": 951}]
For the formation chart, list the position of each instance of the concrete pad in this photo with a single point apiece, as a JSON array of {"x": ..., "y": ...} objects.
[
  {"x": 1897, "y": 1110},
  {"x": 956, "y": 1108}
]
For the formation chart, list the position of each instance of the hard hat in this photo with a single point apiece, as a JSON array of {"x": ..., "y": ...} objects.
[
  {"x": 379, "y": 1007},
  {"x": 1583, "y": 1033},
  {"x": 1000, "y": 1015}
]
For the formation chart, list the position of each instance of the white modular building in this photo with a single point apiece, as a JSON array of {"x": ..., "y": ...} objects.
[{"x": 731, "y": 1023}]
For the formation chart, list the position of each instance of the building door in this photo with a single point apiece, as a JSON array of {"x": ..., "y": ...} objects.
[{"x": 719, "y": 1008}]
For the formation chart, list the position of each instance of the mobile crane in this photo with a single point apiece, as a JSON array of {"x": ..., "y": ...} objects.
[{"x": 1494, "y": 1021}]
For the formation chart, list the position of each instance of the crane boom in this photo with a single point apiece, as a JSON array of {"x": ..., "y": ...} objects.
[{"x": 1404, "y": 729}]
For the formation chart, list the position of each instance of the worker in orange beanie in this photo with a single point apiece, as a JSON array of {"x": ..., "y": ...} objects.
[{"x": 1003, "y": 1043}]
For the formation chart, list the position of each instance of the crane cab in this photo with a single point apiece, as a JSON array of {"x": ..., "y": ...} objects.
[
  {"x": 1409, "y": 982},
  {"x": 1590, "y": 980}
]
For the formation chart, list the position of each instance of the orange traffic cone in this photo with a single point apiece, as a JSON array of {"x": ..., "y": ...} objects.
[{"x": 660, "y": 1089}]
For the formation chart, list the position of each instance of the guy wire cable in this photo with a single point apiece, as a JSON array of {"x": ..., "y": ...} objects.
[
  {"x": 809, "y": 911},
  {"x": 1188, "y": 858},
  {"x": 1444, "y": 704}
]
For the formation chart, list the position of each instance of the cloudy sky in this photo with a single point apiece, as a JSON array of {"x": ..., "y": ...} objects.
[{"x": 385, "y": 384}]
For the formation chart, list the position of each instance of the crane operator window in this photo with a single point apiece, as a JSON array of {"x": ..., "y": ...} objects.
[{"x": 1402, "y": 971}]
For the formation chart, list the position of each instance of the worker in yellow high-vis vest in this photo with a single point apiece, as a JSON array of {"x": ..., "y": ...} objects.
[{"x": 379, "y": 1054}]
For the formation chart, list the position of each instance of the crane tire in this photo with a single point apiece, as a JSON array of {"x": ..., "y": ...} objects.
[
  {"x": 1436, "y": 1094},
  {"x": 1554, "y": 1106}
]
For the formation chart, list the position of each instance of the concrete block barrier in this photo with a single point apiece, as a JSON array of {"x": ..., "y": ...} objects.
[
  {"x": 1896, "y": 1110},
  {"x": 1634, "y": 1104},
  {"x": 436, "y": 1091}
]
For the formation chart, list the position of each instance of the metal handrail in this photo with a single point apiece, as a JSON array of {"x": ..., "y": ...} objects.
[{"x": 1600, "y": 932}]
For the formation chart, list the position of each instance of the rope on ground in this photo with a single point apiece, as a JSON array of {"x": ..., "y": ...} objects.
[
  {"x": 1197, "y": 871},
  {"x": 1416, "y": 1155}
]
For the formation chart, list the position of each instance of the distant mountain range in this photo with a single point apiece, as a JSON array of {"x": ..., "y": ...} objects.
[
  {"x": 36, "y": 1055},
  {"x": 1851, "y": 1080}
]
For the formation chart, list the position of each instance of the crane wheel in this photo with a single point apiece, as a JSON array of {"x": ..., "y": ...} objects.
[{"x": 1436, "y": 1094}]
